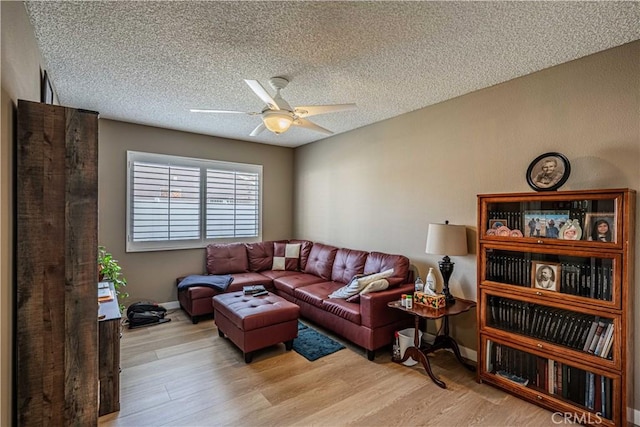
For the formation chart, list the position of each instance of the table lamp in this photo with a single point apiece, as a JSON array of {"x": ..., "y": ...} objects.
[{"x": 445, "y": 239}]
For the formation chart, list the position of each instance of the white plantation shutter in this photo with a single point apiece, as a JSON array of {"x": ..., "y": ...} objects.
[
  {"x": 177, "y": 202},
  {"x": 232, "y": 204}
]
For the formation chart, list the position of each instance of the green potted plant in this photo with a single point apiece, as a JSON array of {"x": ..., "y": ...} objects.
[{"x": 110, "y": 271}]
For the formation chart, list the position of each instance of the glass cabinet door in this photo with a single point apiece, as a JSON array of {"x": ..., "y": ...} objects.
[
  {"x": 589, "y": 335},
  {"x": 587, "y": 277},
  {"x": 556, "y": 220},
  {"x": 592, "y": 391}
]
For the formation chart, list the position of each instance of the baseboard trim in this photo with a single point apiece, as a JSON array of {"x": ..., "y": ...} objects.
[
  {"x": 170, "y": 305},
  {"x": 465, "y": 352},
  {"x": 636, "y": 416}
]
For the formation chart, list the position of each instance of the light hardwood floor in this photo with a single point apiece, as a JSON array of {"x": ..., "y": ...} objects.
[{"x": 180, "y": 374}]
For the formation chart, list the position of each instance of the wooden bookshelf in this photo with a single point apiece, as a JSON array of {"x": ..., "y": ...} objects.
[
  {"x": 109, "y": 333},
  {"x": 56, "y": 327},
  {"x": 555, "y": 295}
]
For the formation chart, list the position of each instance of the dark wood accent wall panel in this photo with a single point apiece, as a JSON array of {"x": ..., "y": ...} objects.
[{"x": 56, "y": 266}]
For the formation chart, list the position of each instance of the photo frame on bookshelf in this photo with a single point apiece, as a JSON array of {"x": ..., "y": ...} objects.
[
  {"x": 548, "y": 172},
  {"x": 545, "y": 223},
  {"x": 600, "y": 227},
  {"x": 497, "y": 223},
  {"x": 571, "y": 230},
  {"x": 545, "y": 275}
]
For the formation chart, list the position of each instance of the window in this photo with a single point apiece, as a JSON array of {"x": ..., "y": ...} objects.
[{"x": 179, "y": 202}]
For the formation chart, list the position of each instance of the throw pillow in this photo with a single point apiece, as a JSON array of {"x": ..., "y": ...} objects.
[
  {"x": 286, "y": 256},
  {"x": 352, "y": 288},
  {"x": 359, "y": 282},
  {"x": 365, "y": 280},
  {"x": 377, "y": 286}
]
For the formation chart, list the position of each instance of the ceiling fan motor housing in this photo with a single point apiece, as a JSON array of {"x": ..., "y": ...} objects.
[{"x": 278, "y": 83}]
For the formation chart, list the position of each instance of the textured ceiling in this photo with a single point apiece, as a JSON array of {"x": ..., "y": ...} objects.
[{"x": 150, "y": 62}]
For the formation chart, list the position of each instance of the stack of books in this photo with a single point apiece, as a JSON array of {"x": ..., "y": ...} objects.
[{"x": 254, "y": 289}]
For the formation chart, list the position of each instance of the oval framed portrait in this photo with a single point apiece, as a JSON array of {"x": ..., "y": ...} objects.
[{"x": 548, "y": 172}]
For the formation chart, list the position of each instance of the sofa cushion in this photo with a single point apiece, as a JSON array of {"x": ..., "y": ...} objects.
[
  {"x": 305, "y": 250},
  {"x": 250, "y": 278},
  {"x": 377, "y": 262},
  {"x": 227, "y": 258},
  {"x": 199, "y": 292},
  {"x": 320, "y": 261},
  {"x": 348, "y": 263},
  {"x": 286, "y": 256},
  {"x": 287, "y": 284},
  {"x": 343, "y": 309},
  {"x": 316, "y": 293},
  {"x": 276, "y": 274},
  {"x": 260, "y": 255}
]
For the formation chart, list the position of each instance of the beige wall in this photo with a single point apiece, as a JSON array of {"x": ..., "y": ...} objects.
[
  {"x": 151, "y": 275},
  {"x": 378, "y": 187},
  {"x": 20, "y": 71}
]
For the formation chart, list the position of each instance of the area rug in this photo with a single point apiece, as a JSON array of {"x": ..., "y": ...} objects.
[{"x": 312, "y": 344}]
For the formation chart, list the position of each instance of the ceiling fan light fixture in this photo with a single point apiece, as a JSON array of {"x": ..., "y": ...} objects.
[{"x": 277, "y": 121}]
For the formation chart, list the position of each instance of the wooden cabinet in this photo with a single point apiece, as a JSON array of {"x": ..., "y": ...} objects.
[
  {"x": 555, "y": 298},
  {"x": 56, "y": 328},
  {"x": 109, "y": 333}
]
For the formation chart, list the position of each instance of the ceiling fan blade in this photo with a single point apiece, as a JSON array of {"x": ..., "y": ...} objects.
[
  {"x": 262, "y": 93},
  {"x": 314, "y": 110},
  {"x": 308, "y": 124},
  {"x": 258, "y": 129},
  {"x": 198, "y": 110}
]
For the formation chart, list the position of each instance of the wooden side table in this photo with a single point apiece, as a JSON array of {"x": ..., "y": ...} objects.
[
  {"x": 109, "y": 355},
  {"x": 442, "y": 341}
]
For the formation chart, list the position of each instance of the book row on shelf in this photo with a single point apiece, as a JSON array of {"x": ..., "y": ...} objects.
[
  {"x": 590, "y": 390},
  {"x": 594, "y": 281},
  {"x": 513, "y": 218},
  {"x": 579, "y": 331}
]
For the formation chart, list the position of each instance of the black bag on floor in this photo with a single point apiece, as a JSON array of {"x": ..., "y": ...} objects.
[{"x": 146, "y": 313}]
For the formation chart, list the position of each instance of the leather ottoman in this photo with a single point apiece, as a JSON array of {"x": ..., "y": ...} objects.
[{"x": 253, "y": 323}]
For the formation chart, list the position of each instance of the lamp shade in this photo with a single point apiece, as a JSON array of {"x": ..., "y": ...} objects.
[
  {"x": 446, "y": 239},
  {"x": 277, "y": 121}
]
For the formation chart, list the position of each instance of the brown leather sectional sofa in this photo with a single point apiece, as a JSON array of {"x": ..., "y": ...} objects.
[{"x": 322, "y": 269}]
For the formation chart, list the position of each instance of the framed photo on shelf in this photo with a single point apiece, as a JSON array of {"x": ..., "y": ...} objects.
[
  {"x": 545, "y": 275},
  {"x": 571, "y": 230},
  {"x": 544, "y": 223},
  {"x": 497, "y": 223},
  {"x": 600, "y": 227},
  {"x": 548, "y": 172}
]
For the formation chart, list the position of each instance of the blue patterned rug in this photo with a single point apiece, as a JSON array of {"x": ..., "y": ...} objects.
[{"x": 312, "y": 344}]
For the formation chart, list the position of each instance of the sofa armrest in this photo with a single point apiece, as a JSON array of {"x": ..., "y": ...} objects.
[{"x": 374, "y": 310}]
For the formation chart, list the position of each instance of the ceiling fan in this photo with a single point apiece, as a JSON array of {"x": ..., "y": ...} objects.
[{"x": 278, "y": 116}]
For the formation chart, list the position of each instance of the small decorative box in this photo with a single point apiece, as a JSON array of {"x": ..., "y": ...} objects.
[{"x": 433, "y": 301}]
